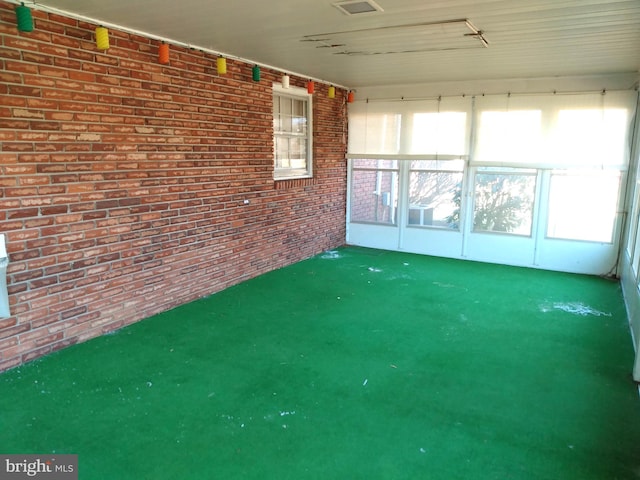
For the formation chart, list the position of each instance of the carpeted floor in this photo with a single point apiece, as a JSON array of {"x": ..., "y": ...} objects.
[{"x": 355, "y": 364}]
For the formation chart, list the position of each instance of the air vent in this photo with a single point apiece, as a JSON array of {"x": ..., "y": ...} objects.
[{"x": 358, "y": 7}]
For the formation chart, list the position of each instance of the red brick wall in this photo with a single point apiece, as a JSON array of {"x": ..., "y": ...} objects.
[{"x": 123, "y": 181}]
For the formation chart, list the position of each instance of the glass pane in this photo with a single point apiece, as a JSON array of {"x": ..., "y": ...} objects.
[
  {"x": 298, "y": 152},
  {"x": 281, "y": 152},
  {"x": 633, "y": 241},
  {"x": 503, "y": 203},
  {"x": 375, "y": 163},
  {"x": 374, "y": 196},
  {"x": 277, "y": 124},
  {"x": 590, "y": 136},
  {"x": 511, "y": 137},
  {"x": 285, "y": 114},
  {"x": 298, "y": 116},
  {"x": 299, "y": 125},
  {"x": 576, "y": 212},
  {"x": 434, "y": 199},
  {"x": 298, "y": 108},
  {"x": 633, "y": 223},
  {"x": 636, "y": 248},
  {"x": 374, "y": 134},
  {"x": 443, "y": 132}
]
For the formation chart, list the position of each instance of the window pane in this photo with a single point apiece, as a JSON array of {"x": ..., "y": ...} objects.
[
  {"x": 374, "y": 133},
  {"x": 583, "y": 207},
  {"x": 286, "y": 123},
  {"x": 299, "y": 125},
  {"x": 282, "y": 152},
  {"x": 434, "y": 199},
  {"x": 509, "y": 137},
  {"x": 440, "y": 132},
  {"x": 277, "y": 124},
  {"x": 374, "y": 196},
  {"x": 590, "y": 136},
  {"x": 503, "y": 203},
  {"x": 298, "y": 153},
  {"x": 298, "y": 108}
]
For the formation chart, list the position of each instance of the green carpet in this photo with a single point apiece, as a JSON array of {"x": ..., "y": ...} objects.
[{"x": 355, "y": 364}]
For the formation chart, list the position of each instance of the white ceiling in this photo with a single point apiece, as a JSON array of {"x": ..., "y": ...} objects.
[{"x": 527, "y": 38}]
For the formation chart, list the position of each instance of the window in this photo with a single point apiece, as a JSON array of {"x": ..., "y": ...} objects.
[
  {"x": 509, "y": 137},
  {"x": 292, "y": 133},
  {"x": 374, "y": 133},
  {"x": 435, "y": 193},
  {"x": 374, "y": 191},
  {"x": 427, "y": 137},
  {"x": 583, "y": 206},
  {"x": 503, "y": 201},
  {"x": 439, "y": 133}
]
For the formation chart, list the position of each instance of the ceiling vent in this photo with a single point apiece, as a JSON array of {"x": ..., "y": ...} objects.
[{"x": 358, "y": 7}]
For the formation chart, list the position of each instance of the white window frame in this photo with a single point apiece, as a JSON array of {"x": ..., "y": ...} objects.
[{"x": 298, "y": 94}]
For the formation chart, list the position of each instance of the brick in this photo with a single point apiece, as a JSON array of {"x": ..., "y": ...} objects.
[
  {"x": 10, "y": 363},
  {"x": 49, "y": 49},
  {"x": 13, "y": 124},
  {"x": 24, "y": 213},
  {"x": 54, "y": 210},
  {"x": 9, "y": 77},
  {"x": 20, "y": 43},
  {"x": 7, "y": 322},
  {"x": 14, "y": 331},
  {"x": 39, "y": 222},
  {"x": 25, "y": 91},
  {"x": 33, "y": 354},
  {"x": 32, "y": 136},
  {"x": 37, "y": 58},
  {"x": 74, "y": 312},
  {"x": 43, "y": 282}
]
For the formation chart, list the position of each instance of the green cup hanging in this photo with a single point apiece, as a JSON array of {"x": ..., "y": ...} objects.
[
  {"x": 255, "y": 73},
  {"x": 24, "y": 18}
]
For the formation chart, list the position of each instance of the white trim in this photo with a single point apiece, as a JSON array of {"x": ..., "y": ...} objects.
[{"x": 431, "y": 156}]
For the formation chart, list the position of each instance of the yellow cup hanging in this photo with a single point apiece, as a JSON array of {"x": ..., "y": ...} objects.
[
  {"x": 222, "y": 65},
  {"x": 332, "y": 92},
  {"x": 102, "y": 38}
]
